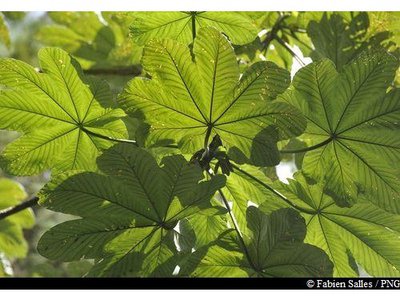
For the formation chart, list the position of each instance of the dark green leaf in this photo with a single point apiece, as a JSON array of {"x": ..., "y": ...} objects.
[
  {"x": 275, "y": 248},
  {"x": 128, "y": 214}
]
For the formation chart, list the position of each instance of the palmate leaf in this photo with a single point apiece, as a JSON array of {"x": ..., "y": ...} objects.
[
  {"x": 354, "y": 124},
  {"x": 274, "y": 246},
  {"x": 183, "y": 26},
  {"x": 364, "y": 232},
  {"x": 187, "y": 102},
  {"x": 55, "y": 110},
  {"x": 12, "y": 241},
  {"x": 102, "y": 43},
  {"x": 128, "y": 213}
]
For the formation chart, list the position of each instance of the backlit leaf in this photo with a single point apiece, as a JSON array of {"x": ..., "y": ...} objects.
[
  {"x": 55, "y": 110},
  {"x": 186, "y": 102}
]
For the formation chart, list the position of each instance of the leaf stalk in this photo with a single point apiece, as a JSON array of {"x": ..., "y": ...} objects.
[
  {"x": 280, "y": 196},
  {"x": 290, "y": 151},
  {"x": 235, "y": 225}
]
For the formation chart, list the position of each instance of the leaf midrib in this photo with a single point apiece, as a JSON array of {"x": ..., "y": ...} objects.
[{"x": 184, "y": 82}]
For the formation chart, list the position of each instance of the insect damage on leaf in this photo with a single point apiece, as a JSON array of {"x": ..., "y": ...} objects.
[{"x": 56, "y": 111}]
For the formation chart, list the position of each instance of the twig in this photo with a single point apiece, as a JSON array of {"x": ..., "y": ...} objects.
[
  {"x": 287, "y": 47},
  {"x": 17, "y": 208},
  {"x": 272, "y": 34}
]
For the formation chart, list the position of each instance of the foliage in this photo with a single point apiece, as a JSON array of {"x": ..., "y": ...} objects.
[
  {"x": 102, "y": 42},
  {"x": 176, "y": 174},
  {"x": 188, "y": 101},
  {"x": 353, "y": 119},
  {"x": 4, "y": 34},
  {"x": 183, "y": 26},
  {"x": 53, "y": 109},
  {"x": 12, "y": 242}
]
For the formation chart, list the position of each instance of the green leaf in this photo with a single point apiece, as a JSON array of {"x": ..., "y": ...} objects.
[
  {"x": 385, "y": 21},
  {"x": 187, "y": 102},
  {"x": 4, "y": 34},
  {"x": 56, "y": 110},
  {"x": 274, "y": 246},
  {"x": 99, "y": 44},
  {"x": 208, "y": 224},
  {"x": 240, "y": 189},
  {"x": 14, "y": 15},
  {"x": 12, "y": 241},
  {"x": 341, "y": 40},
  {"x": 183, "y": 26},
  {"x": 354, "y": 125},
  {"x": 370, "y": 234},
  {"x": 128, "y": 213}
]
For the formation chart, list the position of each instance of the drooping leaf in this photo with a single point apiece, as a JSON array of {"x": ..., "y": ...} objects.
[
  {"x": 187, "y": 102},
  {"x": 181, "y": 26},
  {"x": 371, "y": 235},
  {"x": 12, "y": 241},
  {"x": 55, "y": 110},
  {"x": 274, "y": 246},
  {"x": 356, "y": 124},
  {"x": 102, "y": 42},
  {"x": 128, "y": 213}
]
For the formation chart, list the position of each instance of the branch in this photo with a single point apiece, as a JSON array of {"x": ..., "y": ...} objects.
[
  {"x": 327, "y": 141},
  {"x": 287, "y": 47},
  {"x": 17, "y": 208},
  {"x": 271, "y": 35},
  {"x": 282, "y": 197},
  {"x": 134, "y": 70},
  {"x": 300, "y": 41}
]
